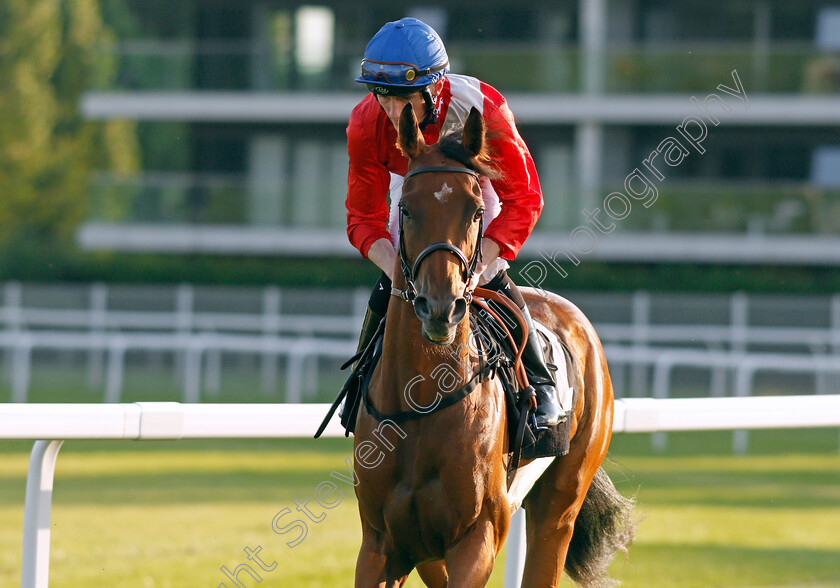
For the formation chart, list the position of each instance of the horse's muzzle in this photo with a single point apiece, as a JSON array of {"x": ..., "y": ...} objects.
[{"x": 440, "y": 317}]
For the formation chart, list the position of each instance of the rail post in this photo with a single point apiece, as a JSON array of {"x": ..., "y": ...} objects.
[{"x": 35, "y": 570}]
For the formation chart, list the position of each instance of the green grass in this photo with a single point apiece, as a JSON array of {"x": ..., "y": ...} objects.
[
  {"x": 766, "y": 519},
  {"x": 170, "y": 514}
]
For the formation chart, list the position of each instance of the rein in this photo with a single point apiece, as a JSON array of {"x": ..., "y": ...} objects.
[{"x": 410, "y": 272}]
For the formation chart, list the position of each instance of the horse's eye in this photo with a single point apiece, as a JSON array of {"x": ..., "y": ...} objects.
[
  {"x": 404, "y": 212},
  {"x": 478, "y": 214}
]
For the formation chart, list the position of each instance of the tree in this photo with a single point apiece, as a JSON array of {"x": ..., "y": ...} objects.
[{"x": 47, "y": 150}]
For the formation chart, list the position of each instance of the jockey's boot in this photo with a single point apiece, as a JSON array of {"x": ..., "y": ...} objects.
[
  {"x": 370, "y": 324},
  {"x": 548, "y": 412},
  {"x": 375, "y": 310}
]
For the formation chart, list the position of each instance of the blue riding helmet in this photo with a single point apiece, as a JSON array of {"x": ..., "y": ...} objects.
[
  {"x": 405, "y": 57},
  {"x": 404, "y": 53}
]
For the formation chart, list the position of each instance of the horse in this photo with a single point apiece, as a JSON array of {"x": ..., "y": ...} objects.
[{"x": 432, "y": 490}]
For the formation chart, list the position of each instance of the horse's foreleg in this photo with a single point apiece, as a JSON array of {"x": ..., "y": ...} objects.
[
  {"x": 371, "y": 572},
  {"x": 470, "y": 562},
  {"x": 433, "y": 574},
  {"x": 374, "y": 569}
]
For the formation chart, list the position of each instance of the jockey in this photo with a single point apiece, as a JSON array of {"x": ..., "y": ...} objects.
[{"x": 406, "y": 63}]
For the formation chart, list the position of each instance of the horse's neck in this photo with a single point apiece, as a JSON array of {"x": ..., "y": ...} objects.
[{"x": 416, "y": 373}]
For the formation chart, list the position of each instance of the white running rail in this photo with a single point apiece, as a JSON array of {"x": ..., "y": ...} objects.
[{"x": 51, "y": 424}]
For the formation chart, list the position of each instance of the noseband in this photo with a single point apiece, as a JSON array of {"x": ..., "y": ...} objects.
[{"x": 410, "y": 272}]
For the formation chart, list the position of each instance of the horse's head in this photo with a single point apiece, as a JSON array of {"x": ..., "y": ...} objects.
[{"x": 441, "y": 222}]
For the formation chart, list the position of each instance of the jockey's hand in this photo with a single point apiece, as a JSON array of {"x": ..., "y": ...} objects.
[{"x": 489, "y": 253}]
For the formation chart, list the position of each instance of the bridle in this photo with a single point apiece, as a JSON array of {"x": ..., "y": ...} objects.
[
  {"x": 410, "y": 272},
  {"x": 527, "y": 398}
]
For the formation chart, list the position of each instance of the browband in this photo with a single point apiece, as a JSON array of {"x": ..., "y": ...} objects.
[{"x": 442, "y": 168}]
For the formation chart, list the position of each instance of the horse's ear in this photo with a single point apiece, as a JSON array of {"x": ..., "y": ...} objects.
[
  {"x": 410, "y": 140},
  {"x": 474, "y": 133}
]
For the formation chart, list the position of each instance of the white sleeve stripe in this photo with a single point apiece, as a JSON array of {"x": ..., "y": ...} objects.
[{"x": 466, "y": 93}]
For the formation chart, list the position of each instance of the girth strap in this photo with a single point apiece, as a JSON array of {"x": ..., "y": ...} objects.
[{"x": 410, "y": 415}]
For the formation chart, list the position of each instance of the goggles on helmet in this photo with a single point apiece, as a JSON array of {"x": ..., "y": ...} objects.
[{"x": 395, "y": 72}]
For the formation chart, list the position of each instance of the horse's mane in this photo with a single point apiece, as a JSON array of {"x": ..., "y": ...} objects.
[{"x": 451, "y": 145}]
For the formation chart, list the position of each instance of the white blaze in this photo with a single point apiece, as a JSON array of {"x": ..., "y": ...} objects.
[{"x": 443, "y": 192}]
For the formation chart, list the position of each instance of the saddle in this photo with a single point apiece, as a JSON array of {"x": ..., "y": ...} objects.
[{"x": 498, "y": 355}]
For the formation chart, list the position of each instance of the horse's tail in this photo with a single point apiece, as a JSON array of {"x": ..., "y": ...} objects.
[{"x": 604, "y": 526}]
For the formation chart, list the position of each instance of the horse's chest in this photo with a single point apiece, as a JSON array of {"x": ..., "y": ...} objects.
[
  {"x": 441, "y": 496},
  {"x": 437, "y": 480},
  {"x": 436, "y": 501},
  {"x": 433, "y": 511}
]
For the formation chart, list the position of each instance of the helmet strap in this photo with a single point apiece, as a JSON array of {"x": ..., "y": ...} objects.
[{"x": 431, "y": 112}]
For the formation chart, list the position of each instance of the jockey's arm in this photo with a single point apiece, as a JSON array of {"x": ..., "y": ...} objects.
[
  {"x": 382, "y": 253},
  {"x": 489, "y": 253}
]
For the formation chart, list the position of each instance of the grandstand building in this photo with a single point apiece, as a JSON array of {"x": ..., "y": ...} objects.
[{"x": 701, "y": 131}]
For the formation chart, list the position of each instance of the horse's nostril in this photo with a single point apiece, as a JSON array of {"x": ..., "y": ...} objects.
[
  {"x": 421, "y": 307},
  {"x": 459, "y": 310},
  {"x": 450, "y": 310}
]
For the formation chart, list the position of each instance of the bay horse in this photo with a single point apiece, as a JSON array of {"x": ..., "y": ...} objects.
[{"x": 435, "y": 497}]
